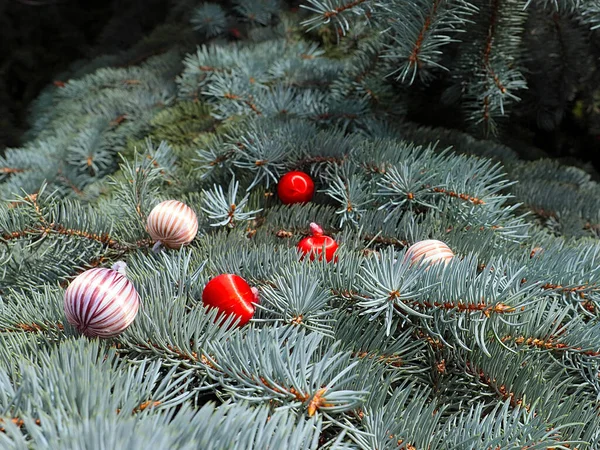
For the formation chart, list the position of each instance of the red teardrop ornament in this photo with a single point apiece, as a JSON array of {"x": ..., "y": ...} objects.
[
  {"x": 231, "y": 295},
  {"x": 295, "y": 187},
  {"x": 313, "y": 245}
]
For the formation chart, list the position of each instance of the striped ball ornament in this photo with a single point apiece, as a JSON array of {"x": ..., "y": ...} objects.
[
  {"x": 172, "y": 224},
  {"x": 429, "y": 252},
  {"x": 101, "y": 303}
]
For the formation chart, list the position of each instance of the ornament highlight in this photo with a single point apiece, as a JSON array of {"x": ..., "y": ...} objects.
[
  {"x": 172, "y": 223},
  {"x": 101, "y": 302},
  {"x": 295, "y": 187},
  {"x": 231, "y": 295},
  {"x": 313, "y": 245},
  {"x": 429, "y": 252}
]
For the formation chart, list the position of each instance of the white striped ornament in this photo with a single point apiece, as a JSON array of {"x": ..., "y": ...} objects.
[
  {"x": 429, "y": 252},
  {"x": 172, "y": 223},
  {"x": 101, "y": 303}
]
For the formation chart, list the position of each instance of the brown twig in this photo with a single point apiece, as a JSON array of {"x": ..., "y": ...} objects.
[{"x": 414, "y": 55}]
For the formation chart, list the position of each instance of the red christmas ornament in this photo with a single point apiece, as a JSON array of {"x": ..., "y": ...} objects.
[
  {"x": 313, "y": 245},
  {"x": 295, "y": 187},
  {"x": 231, "y": 295}
]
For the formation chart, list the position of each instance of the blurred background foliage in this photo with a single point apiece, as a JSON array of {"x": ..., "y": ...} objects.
[{"x": 42, "y": 39}]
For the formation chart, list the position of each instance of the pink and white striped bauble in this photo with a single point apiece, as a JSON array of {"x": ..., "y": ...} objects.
[
  {"x": 172, "y": 223},
  {"x": 429, "y": 252},
  {"x": 101, "y": 302}
]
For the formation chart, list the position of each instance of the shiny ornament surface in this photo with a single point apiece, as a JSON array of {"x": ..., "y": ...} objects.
[
  {"x": 295, "y": 187},
  {"x": 231, "y": 295},
  {"x": 429, "y": 252},
  {"x": 313, "y": 245},
  {"x": 101, "y": 303},
  {"x": 172, "y": 223}
]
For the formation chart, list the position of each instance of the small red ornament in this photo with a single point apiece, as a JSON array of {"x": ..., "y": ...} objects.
[
  {"x": 295, "y": 187},
  {"x": 313, "y": 245},
  {"x": 231, "y": 295}
]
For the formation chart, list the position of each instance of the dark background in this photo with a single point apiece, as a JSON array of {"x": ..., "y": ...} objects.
[{"x": 39, "y": 39}]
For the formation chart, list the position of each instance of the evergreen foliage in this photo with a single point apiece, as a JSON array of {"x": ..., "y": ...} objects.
[{"x": 498, "y": 349}]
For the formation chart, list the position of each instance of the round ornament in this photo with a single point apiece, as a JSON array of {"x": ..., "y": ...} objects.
[
  {"x": 231, "y": 295},
  {"x": 429, "y": 252},
  {"x": 313, "y": 245},
  {"x": 101, "y": 302},
  {"x": 295, "y": 187},
  {"x": 172, "y": 224}
]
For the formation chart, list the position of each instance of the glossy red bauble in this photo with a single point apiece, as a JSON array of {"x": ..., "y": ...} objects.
[
  {"x": 295, "y": 187},
  {"x": 313, "y": 245},
  {"x": 231, "y": 295}
]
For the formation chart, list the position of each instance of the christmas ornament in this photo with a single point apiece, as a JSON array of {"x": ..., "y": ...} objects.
[
  {"x": 231, "y": 295},
  {"x": 429, "y": 252},
  {"x": 295, "y": 187},
  {"x": 101, "y": 302},
  {"x": 313, "y": 245},
  {"x": 172, "y": 224}
]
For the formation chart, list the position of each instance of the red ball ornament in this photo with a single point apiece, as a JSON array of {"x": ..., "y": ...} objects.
[
  {"x": 313, "y": 245},
  {"x": 231, "y": 295},
  {"x": 429, "y": 251},
  {"x": 172, "y": 224},
  {"x": 101, "y": 302},
  {"x": 295, "y": 187}
]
